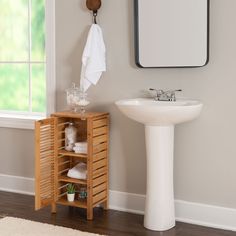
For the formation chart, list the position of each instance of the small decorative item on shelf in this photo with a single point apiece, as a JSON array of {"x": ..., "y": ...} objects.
[
  {"x": 82, "y": 193},
  {"x": 70, "y": 192},
  {"x": 70, "y": 136},
  {"x": 73, "y": 97}
]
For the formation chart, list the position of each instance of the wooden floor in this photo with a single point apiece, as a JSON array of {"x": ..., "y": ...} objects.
[{"x": 105, "y": 222}]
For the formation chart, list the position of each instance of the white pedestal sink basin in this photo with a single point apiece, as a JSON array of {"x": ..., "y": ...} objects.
[{"x": 159, "y": 118}]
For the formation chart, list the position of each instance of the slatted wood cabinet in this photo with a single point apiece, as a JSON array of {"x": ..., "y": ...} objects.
[{"x": 52, "y": 161}]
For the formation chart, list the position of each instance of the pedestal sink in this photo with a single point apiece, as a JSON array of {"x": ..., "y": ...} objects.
[{"x": 159, "y": 118}]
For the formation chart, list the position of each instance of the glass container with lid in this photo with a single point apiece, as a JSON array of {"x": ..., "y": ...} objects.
[
  {"x": 72, "y": 97},
  {"x": 83, "y": 102}
]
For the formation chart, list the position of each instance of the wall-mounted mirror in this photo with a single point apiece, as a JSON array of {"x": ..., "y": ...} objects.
[{"x": 171, "y": 33}]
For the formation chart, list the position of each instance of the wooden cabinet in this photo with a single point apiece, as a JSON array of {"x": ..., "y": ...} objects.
[{"x": 52, "y": 161}]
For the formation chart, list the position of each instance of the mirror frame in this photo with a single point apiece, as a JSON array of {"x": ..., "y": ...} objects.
[{"x": 136, "y": 39}]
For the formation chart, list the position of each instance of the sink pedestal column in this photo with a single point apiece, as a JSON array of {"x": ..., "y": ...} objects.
[{"x": 159, "y": 207}]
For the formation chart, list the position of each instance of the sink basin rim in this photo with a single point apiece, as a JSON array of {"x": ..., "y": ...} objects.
[
  {"x": 151, "y": 102},
  {"x": 160, "y": 113}
]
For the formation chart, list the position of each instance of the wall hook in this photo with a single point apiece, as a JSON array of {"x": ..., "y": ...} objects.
[
  {"x": 94, "y": 5},
  {"x": 95, "y": 17}
]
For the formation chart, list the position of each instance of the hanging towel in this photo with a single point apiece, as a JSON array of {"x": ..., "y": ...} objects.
[
  {"x": 78, "y": 172},
  {"x": 93, "y": 59}
]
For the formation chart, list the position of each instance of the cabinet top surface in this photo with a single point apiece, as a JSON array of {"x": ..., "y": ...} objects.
[{"x": 78, "y": 115}]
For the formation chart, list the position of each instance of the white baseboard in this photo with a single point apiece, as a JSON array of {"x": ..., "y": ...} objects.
[
  {"x": 17, "y": 184},
  {"x": 205, "y": 215},
  {"x": 128, "y": 202},
  {"x": 188, "y": 212}
]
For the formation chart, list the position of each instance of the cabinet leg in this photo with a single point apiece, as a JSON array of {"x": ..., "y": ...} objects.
[
  {"x": 89, "y": 213},
  {"x": 53, "y": 208},
  {"x": 105, "y": 205}
]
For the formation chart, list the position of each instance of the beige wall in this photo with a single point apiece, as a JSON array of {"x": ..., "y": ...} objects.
[
  {"x": 17, "y": 150},
  {"x": 205, "y": 149}
]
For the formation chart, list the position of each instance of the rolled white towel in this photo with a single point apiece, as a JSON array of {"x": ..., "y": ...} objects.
[
  {"x": 78, "y": 172},
  {"x": 80, "y": 150},
  {"x": 81, "y": 144},
  {"x": 81, "y": 147}
]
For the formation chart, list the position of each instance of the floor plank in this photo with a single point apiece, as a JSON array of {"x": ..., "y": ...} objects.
[{"x": 105, "y": 222}]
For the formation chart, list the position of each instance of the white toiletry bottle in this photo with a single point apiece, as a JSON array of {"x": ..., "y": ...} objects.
[{"x": 70, "y": 136}]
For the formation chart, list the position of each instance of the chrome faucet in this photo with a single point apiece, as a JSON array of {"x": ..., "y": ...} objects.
[{"x": 168, "y": 95}]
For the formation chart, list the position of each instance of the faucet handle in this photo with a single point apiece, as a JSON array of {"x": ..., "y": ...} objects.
[
  {"x": 159, "y": 92},
  {"x": 172, "y": 94},
  {"x": 175, "y": 90}
]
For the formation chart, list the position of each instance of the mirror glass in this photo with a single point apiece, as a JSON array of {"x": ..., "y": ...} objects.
[{"x": 171, "y": 33}]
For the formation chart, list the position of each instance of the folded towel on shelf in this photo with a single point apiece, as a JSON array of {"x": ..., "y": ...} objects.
[
  {"x": 80, "y": 150},
  {"x": 93, "y": 59},
  {"x": 78, "y": 172},
  {"x": 80, "y": 147},
  {"x": 81, "y": 144}
]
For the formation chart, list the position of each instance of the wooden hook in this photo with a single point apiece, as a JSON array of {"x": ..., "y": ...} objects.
[{"x": 93, "y": 5}]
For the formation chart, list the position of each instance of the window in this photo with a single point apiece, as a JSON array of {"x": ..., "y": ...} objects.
[{"x": 26, "y": 61}]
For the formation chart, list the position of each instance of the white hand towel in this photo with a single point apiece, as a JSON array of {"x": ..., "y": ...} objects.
[
  {"x": 81, "y": 147},
  {"x": 82, "y": 150},
  {"x": 93, "y": 59},
  {"x": 78, "y": 172},
  {"x": 81, "y": 144}
]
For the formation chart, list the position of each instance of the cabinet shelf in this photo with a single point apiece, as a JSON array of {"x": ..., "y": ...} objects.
[
  {"x": 76, "y": 203},
  {"x": 66, "y": 179},
  {"x": 72, "y": 154}
]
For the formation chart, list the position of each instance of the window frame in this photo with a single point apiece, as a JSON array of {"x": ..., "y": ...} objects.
[{"x": 25, "y": 120}]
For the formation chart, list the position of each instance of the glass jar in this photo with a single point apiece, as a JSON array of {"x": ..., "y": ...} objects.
[
  {"x": 82, "y": 102},
  {"x": 70, "y": 136},
  {"x": 82, "y": 193},
  {"x": 72, "y": 97}
]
